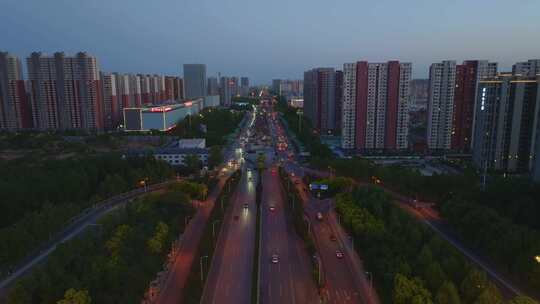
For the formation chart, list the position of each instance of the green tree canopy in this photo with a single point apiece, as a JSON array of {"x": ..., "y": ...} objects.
[{"x": 73, "y": 296}]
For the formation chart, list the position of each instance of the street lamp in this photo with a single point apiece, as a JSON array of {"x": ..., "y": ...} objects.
[
  {"x": 370, "y": 281},
  {"x": 201, "y": 263},
  {"x": 537, "y": 258},
  {"x": 214, "y": 227}
]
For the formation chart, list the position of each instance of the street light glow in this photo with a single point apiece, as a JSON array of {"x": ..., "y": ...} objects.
[{"x": 537, "y": 258}]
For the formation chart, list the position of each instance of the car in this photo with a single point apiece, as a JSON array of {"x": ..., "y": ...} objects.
[
  {"x": 333, "y": 238},
  {"x": 246, "y": 205},
  {"x": 272, "y": 208},
  {"x": 319, "y": 216},
  {"x": 275, "y": 258},
  {"x": 339, "y": 254}
]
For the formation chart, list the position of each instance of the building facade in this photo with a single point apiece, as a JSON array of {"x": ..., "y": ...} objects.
[
  {"x": 194, "y": 80},
  {"x": 226, "y": 90},
  {"x": 442, "y": 79},
  {"x": 506, "y": 123},
  {"x": 213, "y": 86},
  {"x": 111, "y": 111},
  {"x": 528, "y": 68},
  {"x": 15, "y": 111},
  {"x": 244, "y": 86},
  {"x": 319, "y": 99},
  {"x": 375, "y": 106},
  {"x": 65, "y": 92},
  {"x": 451, "y": 102}
]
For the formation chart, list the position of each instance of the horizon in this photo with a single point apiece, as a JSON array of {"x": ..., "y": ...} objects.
[{"x": 270, "y": 42}]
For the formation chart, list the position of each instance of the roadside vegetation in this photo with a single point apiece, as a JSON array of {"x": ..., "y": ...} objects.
[
  {"x": 304, "y": 134},
  {"x": 508, "y": 209},
  {"x": 114, "y": 261},
  {"x": 38, "y": 199},
  {"x": 213, "y": 124},
  {"x": 205, "y": 252},
  {"x": 409, "y": 263}
]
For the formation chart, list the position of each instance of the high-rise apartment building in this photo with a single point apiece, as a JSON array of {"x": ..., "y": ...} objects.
[
  {"x": 507, "y": 123},
  {"x": 451, "y": 102},
  {"x": 235, "y": 86},
  {"x": 65, "y": 92},
  {"x": 226, "y": 90},
  {"x": 244, "y": 86},
  {"x": 195, "y": 80},
  {"x": 338, "y": 99},
  {"x": 276, "y": 84},
  {"x": 15, "y": 111},
  {"x": 442, "y": 79},
  {"x": 375, "y": 106},
  {"x": 111, "y": 111},
  {"x": 173, "y": 88},
  {"x": 319, "y": 98},
  {"x": 213, "y": 86},
  {"x": 528, "y": 68}
]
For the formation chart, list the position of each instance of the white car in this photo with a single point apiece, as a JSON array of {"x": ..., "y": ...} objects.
[{"x": 275, "y": 258}]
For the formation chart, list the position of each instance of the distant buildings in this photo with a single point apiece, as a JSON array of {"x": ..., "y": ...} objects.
[
  {"x": 213, "y": 86},
  {"x": 65, "y": 92},
  {"x": 244, "y": 86},
  {"x": 528, "y": 68},
  {"x": 195, "y": 80},
  {"x": 418, "y": 94},
  {"x": 288, "y": 88},
  {"x": 15, "y": 110},
  {"x": 226, "y": 90},
  {"x": 507, "y": 124},
  {"x": 452, "y": 96},
  {"x": 375, "y": 106}
]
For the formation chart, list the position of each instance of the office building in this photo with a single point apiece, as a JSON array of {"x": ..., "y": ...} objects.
[
  {"x": 65, "y": 92},
  {"x": 451, "y": 102},
  {"x": 213, "y": 86},
  {"x": 506, "y": 123},
  {"x": 15, "y": 111},
  {"x": 375, "y": 106},
  {"x": 319, "y": 99},
  {"x": 529, "y": 68},
  {"x": 194, "y": 80}
]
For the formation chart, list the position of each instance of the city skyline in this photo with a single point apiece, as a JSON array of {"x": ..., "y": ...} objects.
[{"x": 421, "y": 33}]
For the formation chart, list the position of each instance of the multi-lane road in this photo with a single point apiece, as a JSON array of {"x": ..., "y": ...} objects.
[
  {"x": 229, "y": 278},
  {"x": 289, "y": 280}
]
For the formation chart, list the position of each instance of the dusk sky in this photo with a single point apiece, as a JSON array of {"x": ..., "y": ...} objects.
[{"x": 272, "y": 39}]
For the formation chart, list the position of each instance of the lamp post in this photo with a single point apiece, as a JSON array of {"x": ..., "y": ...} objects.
[
  {"x": 370, "y": 281},
  {"x": 214, "y": 227},
  {"x": 201, "y": 259}
]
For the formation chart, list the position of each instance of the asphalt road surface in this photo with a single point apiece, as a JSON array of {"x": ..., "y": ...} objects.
[
  {"x": 290, "y": 279},
  {"x": 229, "y": 279}
]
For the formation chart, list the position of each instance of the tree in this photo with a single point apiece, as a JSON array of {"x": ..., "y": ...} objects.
[
  {"x": 473, "y": 284},
  {"x": 522, "y": 300},
  {"x": 407, "y": 291},
  {"x": 73, "y": 296},
  {"x": 490, "y": 295},
  {"x": 447, "y": 294},
  {"x": 192, "y": 162},
  {"x": 215, "y": 157}
]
